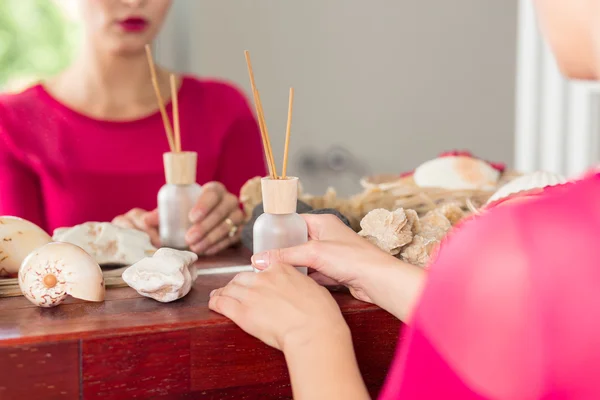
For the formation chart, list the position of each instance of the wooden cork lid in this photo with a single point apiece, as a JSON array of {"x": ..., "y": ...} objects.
[
  {"x": 279, "y": 195},
  {"x": 180, "y": 167}
]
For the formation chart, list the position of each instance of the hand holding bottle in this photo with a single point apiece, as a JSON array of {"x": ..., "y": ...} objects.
[
  {"x": 340, "y": 256},
  {"x": 216, "y": 220}
]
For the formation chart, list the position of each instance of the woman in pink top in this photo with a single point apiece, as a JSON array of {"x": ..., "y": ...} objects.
[
  {"x": 508, "y": 309},
  {"x": 87, "y": 145}
]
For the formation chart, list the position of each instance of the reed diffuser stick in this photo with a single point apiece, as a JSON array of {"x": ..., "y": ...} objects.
[
  {"x": 267, "y": 139},
  {"x": 262, "y": 133},
  {"x": 261, "y": 119},
  {"x": 175, "y": 103},
  {"x": 287, "y": 134},
  {"x": 161, "y": 103}
]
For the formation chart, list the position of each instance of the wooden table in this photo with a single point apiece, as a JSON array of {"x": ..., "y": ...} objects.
[{"x": 131, "y": 347}]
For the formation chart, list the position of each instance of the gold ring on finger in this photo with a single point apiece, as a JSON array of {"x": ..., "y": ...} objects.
[{"x": 232, "y": 227}]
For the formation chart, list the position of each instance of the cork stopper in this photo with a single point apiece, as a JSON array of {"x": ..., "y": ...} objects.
[
  {"x": 180, "y": 167},
  {"x": 279, "y": 195}
]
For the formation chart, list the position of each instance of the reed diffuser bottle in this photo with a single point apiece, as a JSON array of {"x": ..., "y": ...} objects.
[
  {"x": 181, "y": 192},
  {"x": 177, "y": 198},
  {"x": 279, "y": 226}
]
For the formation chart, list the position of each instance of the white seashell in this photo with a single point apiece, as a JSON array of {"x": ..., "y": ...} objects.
[
  {"x": 109, "y": 244},
  {"x": 55, "y": 270},
  {"x": 539, "y": 179},
  {"x": 166, "y": 276},
  {"x": 456, "y": 173},
  {"x": 18, "y": 238}
]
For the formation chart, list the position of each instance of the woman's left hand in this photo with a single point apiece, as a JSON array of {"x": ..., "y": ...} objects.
[
  {"x": 280, "y": 306},
  {"x": 216, "y": 219}
]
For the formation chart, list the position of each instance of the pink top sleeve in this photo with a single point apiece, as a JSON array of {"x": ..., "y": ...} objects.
[
  {"x": 511, "y": 309},
  {"x": 20, "y": 193}
]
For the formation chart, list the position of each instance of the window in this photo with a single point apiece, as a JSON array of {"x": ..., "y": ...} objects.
[{"x": 38, "y": 38}]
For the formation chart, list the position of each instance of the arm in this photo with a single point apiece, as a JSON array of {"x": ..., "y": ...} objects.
[
  {"x": 20, "y": 193},
  {"x": 325, "y": 368},
  {"x": 395, "y": 286},
  {"x": 340, "y": 256},
  {"x": 291, "y": 312}
]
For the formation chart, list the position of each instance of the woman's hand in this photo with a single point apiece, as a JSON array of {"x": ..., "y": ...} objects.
[
  {"x": 146, "y": 221},
  {"x": 340, "y": 256},
  {"x": 291, "y": 312},
  {"x": 280, "y": 306},
  {"x": 216, "y": 220}
]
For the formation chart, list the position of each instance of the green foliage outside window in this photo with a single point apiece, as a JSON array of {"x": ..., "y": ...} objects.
[{"x": 37, "y": 40}]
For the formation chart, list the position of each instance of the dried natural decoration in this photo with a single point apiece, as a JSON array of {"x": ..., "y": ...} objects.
[
  {"x": 422, "y": 216},
  {"x": 403, "y": 234},
  {"x": 251, "y": 195},
  {"x": 389, "y": 230},
  {"x": 387, "y": 192}
]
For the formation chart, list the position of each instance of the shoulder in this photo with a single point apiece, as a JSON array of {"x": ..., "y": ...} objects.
[
  {"x": 18, "y": 108},
  {"x": 509, "y": 248},
  {"x": 500, "y": 279},
  {"x": 25, "y": 100},
  {"x": 219, "y": 92},
  {"x": 570, "y": 205}
]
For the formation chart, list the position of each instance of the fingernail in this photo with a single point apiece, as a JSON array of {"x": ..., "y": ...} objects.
[
  {"x": 199, "y": 247},
  {"x": 260, "y": 260},
  {"x": 195, "y": 215},
  {"x": 192, "y": 236},
  {"x": 212, "y": 292}
]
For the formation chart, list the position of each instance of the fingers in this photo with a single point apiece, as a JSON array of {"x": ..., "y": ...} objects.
[
  {"x": 137, "y": 219},
  {"x": 213, "y": 227},
  {"x": 323, "y": 280},
  {"x": 324, "y": 226},
  {"x": 224, "y": 243},
  {"x": 151, "y": 218},
  {"x": 123, "y": 222},
  {"x": 210, "y": 198},
  {"x": 227, "y": 300},
  {"x": 305, "y": 255},
  {"x": 225, "y": 305}
]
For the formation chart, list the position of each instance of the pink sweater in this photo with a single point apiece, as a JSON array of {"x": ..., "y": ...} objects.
[
  {"x": 59, "y": 167},
  {"x": 511, "y": 308}
]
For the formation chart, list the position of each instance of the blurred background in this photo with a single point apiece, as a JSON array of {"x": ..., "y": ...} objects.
[{"x": 381, "y": 86}]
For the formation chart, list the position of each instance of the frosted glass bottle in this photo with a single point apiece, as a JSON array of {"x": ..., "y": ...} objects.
[
  {"x": 177, "y": 198},
  {"x": 279, "y": 226}
]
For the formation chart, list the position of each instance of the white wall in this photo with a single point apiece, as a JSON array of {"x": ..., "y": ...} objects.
[
  {"x": 557, "y": 120},
  {"x": 393, "y": 81}
]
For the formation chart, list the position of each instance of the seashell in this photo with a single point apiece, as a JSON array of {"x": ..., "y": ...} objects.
[
  {"x": 456, "y": 173},
  {"x": 535, "y": 180},
  {"x": 107, "y": 243},
  {"x": 18, "y": 238},
  {"x": 166, "y": 276},
  {"x": 55, "y": 270}
]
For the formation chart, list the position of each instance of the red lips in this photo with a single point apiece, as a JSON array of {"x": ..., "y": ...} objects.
[{"x": 133, "y": 24}]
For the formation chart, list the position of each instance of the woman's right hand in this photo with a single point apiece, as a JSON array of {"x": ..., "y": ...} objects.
[
  {"x": 145, "y": 221},
  {"x": 340, "y": 256}
]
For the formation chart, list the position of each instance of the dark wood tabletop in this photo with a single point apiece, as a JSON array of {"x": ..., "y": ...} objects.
[{"x": 132, "y": 347}]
